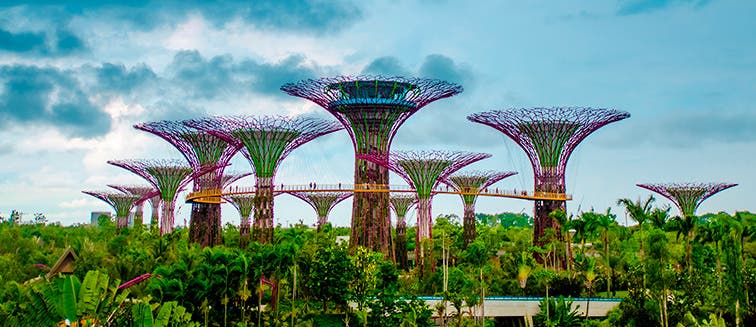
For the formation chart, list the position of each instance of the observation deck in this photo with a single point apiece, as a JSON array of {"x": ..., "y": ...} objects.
[{"x": 215, "y": 196}]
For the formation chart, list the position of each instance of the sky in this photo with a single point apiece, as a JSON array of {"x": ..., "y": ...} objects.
[{"x": 75, "y": 78}]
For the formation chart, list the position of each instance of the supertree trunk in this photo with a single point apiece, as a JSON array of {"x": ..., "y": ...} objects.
[
  {"x": 263, "y": 211},
  {"x": 205, "y": 220},
  {"x": 424, "y": 238},
  {"x": 244, "y": 231},
  {"x": 322, "y": 220},
  {"x": 122, "y": 221},
  {"x": 371, "y": 222},
  {"x": 401, "y": 242},
  {"x": 543, "y": 208},
  {"x": 139, "y": 215},
  {"x": 166, "y": 225},
  {"x": 155, "y": 218},
  {"x": 468, "y": 222}
]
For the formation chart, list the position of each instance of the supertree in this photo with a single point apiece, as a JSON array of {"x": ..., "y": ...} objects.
[
  {"x": 687, "y": 197},
  {"x": 203, "y": 151},
  {"x": 548, "y": 136},
  {"x": 423, "y": 171},
  {"x": 244, "y": 204},
  {"x": 372, "y": 108},
  {"x": 322, "y": 202},
  {"x": 266, "y": 141},
  {"x": 145, "y": 193},
  {"x": 401, "y": 204},
  {"x": 121, "y": 203},
  {"x": 469, "y": 184},
  {"x": 169, "y": 177}
]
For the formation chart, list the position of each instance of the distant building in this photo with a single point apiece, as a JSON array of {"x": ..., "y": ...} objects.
[
  {"x": 95, "y": 215},
  {"x": 342, "y": 239}
]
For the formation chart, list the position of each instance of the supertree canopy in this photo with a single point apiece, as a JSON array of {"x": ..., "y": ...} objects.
[
  {"x": 121, "y": 203},
  {"x": 469, "y": 184},
  {"x": 169, "y": 177},
  {"x": 372, "y": 108},
  {"x": 401, "y": 204},
  {"x": 244, "y": 204},
  {"x": 548, "y": 136},
  {"x": 203, "y": 151},
  {"x": 423, "y": 171},
  {"x": 145, "y": 193},
  {"x": 687, "y": 196},
  {"x": 266, "y": 141},
  {"x": 322, "y": 202}
]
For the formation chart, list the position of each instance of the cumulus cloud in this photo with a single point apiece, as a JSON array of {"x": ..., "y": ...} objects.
[
  {"x": 221, "y": 75},
  {"x": 387, "y": 66},
  {"x": 119, "y": 79},
  {"x": 444, "y": 68},
  {"x": 49, "y": 96},
  {"x": 302, "y": 16},
  {"x": 634, "y": 7},
  {"x": 56, "y": 42}
]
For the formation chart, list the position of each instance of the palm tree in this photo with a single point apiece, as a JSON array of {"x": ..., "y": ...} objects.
[
  {"x": 588, "y": 270},
  {"x": 716, "y": 229},
  {"x": 640, "y": 212},
  {"x": 659, "y": 217},
  {"x": 602, "y": 223},
  {"x": 565, "y": 224},
  {"x": 523, "y": 271}
]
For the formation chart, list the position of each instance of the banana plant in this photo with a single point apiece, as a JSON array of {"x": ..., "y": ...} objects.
[
  {"x": 65, "y": 298},
  {"x": 168, "y": 314}
]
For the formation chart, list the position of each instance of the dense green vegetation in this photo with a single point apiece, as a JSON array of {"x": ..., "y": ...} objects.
[{"x": 697, "y": 271}]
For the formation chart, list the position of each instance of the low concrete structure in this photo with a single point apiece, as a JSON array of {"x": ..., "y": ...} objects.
[{"x": 519, "y": 306}]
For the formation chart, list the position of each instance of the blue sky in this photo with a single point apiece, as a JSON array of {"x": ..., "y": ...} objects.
[{"x": 74, "y": 78}]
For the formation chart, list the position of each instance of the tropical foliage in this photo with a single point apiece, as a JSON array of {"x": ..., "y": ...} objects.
[{"x": 668, "y": 271}]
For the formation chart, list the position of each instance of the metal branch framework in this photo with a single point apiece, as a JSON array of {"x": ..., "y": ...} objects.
[
  {"x": 548, "y": 136},
  {"x": 266, "y": 141},
  {"x": 121, "y": 203},
  {"x": 469, "y": 184},
  {"x": 322, "y": 202},
  {"x": 401, "y": 205},
  {"x": 232, "y": 177},
  {"x": 203, "y": 151},
  {"x": 145, "y": 193},
  {"x": 687, "y": 196},
  {"x": 372, "y": 108},
  {"x": 424, "y": 170},
  {"x": 167, "y": 176}
]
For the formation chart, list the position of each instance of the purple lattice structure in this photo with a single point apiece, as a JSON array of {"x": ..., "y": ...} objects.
[
  {"x": 265, "y": 142},
  {"x": 203, "y": 151},
  {"x": 145, "y": 193},
  {"x": 548, "y": 136},
  {"x": 168, "y": 176},
  {"x": 232, "y": 177},
  {"x": 469, "y": 184},
  {"x": 687, "y": 196},
  {"x": 121, "y": 203},
  {"x": 372, "y": 108},
  {"x": 401, "y": 203},
  {"x": 322, "y": 202},
  {"x": 423, "y": 171}
]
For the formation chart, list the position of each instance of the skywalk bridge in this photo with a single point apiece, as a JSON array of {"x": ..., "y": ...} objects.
[{"x": 216, "y": 195}]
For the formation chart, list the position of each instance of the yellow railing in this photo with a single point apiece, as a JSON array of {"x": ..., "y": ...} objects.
[{"x": 216, "y": 195}]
